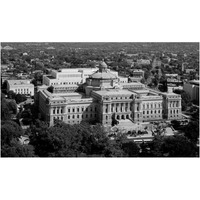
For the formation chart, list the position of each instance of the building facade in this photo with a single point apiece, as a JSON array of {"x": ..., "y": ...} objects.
[
  {"x": 68, "y": 76},
  {"x": 20, "y": 87},
  {"x": 106, "y": 99},
  {"x": 136, "y": 75},
  {"x": 192, "y": 88}
]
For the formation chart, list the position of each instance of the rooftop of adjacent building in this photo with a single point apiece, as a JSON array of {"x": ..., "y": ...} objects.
[
  {"x": 138, "y": 70},
  {"x": 115, "y": 92},
  {"x": 20, "y": 82},
  {"x": 194, "y": 82},
  {"x": 50, "y": 77},
  {"x": 65, "y": 70},
  {"x": 133, "y": 83}
]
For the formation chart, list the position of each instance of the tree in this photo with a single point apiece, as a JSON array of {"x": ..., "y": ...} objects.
[
  {"x": 12, "y": 106},
  {"x": 172, "y": 146},
  {"x": 131, "y": 149},
  {"x": 17, "y": 150},
  {"x": 10, "y": 145},
  {"x": 191, "y": 131},
  {"x": 147, "y": 74},
  {"x": 64, "y": 140},
  {"x": 10, "y": 130},
  {"x": 143, "y": 81},
  {"x": 178, "y": 146},
  {"x": 175, "y": 124},
  {"x": 20, "y": 98},
  {"x": 5, "y": 112},
  {"x": 11, "y": 94}
]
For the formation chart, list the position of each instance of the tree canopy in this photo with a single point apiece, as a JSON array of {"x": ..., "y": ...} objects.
[{"x": 10, "y": 145}]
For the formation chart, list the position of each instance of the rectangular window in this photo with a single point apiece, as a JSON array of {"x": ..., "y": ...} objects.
[{"x": 69, "y": 110}]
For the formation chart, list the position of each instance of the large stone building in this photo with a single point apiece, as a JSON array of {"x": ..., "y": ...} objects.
[
  {"x": 105, "y": 98},
  {"x": 68, "y": 76},
  {"x": 21, "y": 87}
]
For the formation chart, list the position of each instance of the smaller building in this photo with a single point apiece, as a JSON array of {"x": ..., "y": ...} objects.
[
  {"x": 143, "y": 62},
  {"x": 20, "y": 87},
  {"x": 136, "y": 75},
  {"x": 68, "y": 76},
  {"x": 187, "y": 71}
]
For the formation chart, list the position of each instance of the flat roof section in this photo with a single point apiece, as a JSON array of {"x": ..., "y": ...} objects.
[
  {"x": 117, "y": 92},
  {"x": 50, "y": 77}
]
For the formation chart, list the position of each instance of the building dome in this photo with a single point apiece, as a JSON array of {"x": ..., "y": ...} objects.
[{"x": 103, "y": 73}]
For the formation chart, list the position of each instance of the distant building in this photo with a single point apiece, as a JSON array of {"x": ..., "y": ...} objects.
[
  {"x": 106, "y": 100},
  {"x": 173, "y": 87},
  {"x": 143, "y": 62},
  {"x": 192, "y": 88},
  {"x": 20, "y": 87},
  {"x": 68, "y": 76},
  {"x": 156, "y": 63},
  {"x": 187, "y": 71},
  {"x": 136, "y": 75}
]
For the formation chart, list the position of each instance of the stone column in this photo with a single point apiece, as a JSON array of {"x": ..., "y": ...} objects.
[
  {"x": 135, "y": 107},
  {"x": 122, "y": 107},
  {"x": 51, "y": 110},
  {"x": 117, "y": 107},
  {"x": 179, "y": 103},
  {"x": 140, "y": 106}
]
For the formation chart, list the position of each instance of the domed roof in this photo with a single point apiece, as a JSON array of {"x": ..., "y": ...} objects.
[{"x": 103, "y": 73}]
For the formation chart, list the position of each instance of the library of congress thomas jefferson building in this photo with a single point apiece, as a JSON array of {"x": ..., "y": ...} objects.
[{"x": 100, "y": 95}]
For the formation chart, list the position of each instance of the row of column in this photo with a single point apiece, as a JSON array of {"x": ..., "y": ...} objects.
[
  {"x": 137, "y": 107},
  {"x": 58, "y": 110},
  {"x": 120, "y": 107},
  {"x": 174, "y": 104}
]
